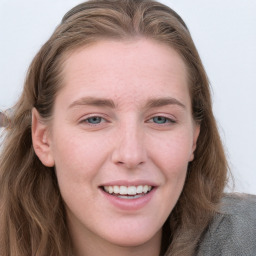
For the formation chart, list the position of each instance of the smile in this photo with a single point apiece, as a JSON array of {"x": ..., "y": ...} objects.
[
  {"x": 129, "y": 197},
  {"x": 128, "y": 192}
]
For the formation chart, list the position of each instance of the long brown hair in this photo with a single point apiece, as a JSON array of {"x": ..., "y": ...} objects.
[{"x": 32, "y": 215}]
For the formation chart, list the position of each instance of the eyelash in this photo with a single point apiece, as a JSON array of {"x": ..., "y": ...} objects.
[
  {"x": 86, "y": 120},
  {"x": 167, "y": 120},
  {"x": 164, "y": 121}
]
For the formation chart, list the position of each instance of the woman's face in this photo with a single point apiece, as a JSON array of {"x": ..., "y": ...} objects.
[{"x": 121, "y": 138}]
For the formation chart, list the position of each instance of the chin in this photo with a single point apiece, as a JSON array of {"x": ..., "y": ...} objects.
[{"x": 134, "y": 238}]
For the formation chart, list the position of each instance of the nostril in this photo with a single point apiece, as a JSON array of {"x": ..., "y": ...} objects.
[{"x": 130, "y": 164}]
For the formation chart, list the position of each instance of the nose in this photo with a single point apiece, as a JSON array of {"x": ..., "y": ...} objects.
[{"x": 129, "y": 151}]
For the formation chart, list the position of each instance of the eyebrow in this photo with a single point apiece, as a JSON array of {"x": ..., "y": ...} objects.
[
  {"x": 102, "y": 102},
  {"x": 92, "y": 101},
  {"x": 160, "y": 102}
]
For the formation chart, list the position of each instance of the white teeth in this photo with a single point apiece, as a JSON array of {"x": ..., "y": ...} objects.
[
  {"x": 145, "y": 189},
  {"x": 110, "y": 190},
  {"x": 139, "y": 189},
  {"x": 130, "y": 190},
  {"x": 116, "y": 189},
  {"x": 123, "y": 190}
]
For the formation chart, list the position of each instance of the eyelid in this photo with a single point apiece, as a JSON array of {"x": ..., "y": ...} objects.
[
  {"x": 172, "y": 119},
  {"x": 84, "y": 119}
]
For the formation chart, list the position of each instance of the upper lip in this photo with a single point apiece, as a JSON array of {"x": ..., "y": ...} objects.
[{"x": 129, "y": 183}]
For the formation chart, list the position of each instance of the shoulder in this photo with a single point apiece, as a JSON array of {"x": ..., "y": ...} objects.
[
  {"x": 235, "y": 205},
  {"x": 233, "y": 229}
]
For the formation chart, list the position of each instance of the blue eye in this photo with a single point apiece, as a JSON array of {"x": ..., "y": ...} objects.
[
  {"x": 94, "y": 120},
  {"x": 161, "y": 120}
]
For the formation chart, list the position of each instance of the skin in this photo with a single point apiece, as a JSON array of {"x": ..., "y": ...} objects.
[{"x": 128, "y": 142}]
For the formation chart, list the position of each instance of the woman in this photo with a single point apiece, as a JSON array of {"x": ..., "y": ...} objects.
[{"x": 113, "y": 147}]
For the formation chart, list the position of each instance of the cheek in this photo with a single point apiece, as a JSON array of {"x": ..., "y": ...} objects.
[
  {"x": 171, "y": 158},
  {"x": 172, "y": 152},
  {"x": 78, "y": 157}
]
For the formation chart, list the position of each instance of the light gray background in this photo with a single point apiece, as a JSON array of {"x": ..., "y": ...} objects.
[{"x": 224, "y": 32}]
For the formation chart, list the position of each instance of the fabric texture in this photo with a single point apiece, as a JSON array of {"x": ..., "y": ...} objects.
[{"x": 233, "y": 230}]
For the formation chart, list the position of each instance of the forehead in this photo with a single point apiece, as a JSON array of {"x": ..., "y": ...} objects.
[{"x": 131, "y": 68}]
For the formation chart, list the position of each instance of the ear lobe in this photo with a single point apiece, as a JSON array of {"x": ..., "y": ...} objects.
[
  {"x": 195, "y": 137},
  {"x": 41, "y": 140}
]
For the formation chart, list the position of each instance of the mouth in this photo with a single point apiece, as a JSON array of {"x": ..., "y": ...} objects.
[{"x": 127, "y": 192}]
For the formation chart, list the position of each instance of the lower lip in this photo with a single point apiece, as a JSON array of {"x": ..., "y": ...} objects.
[{"x": 129, "y": 204}]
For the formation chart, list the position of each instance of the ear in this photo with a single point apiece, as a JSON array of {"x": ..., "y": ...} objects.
[
  {"x": 41, "y": 139},
  {"x": 196, "y": 133}
]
